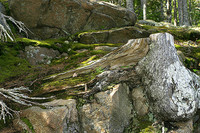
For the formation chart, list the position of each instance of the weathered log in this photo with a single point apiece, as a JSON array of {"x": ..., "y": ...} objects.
[{"x": 127, "y": 55}]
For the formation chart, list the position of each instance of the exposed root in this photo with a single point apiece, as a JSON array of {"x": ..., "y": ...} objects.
[
  {"x": 5, "y": 30},
  {"x": 16, "y": 96}
]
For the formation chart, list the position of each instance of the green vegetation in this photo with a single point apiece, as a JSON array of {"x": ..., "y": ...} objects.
[
  {"x": 11, "y": 64},
  {"x": 179, "y": 33},
  {"x": 56, "y": 44},
  {"x": 28, "y": 123},
  {"x": 192, "y": 53}
]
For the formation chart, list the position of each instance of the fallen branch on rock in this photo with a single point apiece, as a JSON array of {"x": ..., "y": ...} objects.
[
  {"x": 17, "y": 96},
  {"x": 5, "y": 30}
]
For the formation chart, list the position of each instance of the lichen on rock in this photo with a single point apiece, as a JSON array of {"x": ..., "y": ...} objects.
[{"x": 169, "y": 85}]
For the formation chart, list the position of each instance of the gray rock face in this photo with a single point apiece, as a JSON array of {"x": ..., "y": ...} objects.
[
  {"x": 62, "y": 117},
  {"x": 170, "y": 86},
  {"x": 109, "y": 114},
  {"x": 121, "y": 35},
  {"x": 40, "y": 55},
  {"x": 59, "y": 17}
]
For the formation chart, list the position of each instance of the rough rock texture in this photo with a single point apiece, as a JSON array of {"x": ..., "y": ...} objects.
[
  {"x": 39, "y": 55},
  {"x": 171, "y": 88},
  {"x": 109, "y": 114},
  {"x": 140, "y": 101},
  {"x": 62, "y": 117},
  {"x": 181, "y": 56},
  {"x": 48, "y": 18},
  {"x": 184, "y": 127},
  {"x": 105, "y": 48},
  {"x": 121, "y": 35}
]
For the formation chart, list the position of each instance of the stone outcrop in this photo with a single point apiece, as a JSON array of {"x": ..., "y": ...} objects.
[
  {"x": 171, "y": 88},
  {"x": 150, "y": 81},
  {"x": 111, "y": 112},
  {"x": 121, "y": 35},
  {"x": 40, "y": 55},
  {"x": 54, "y": 18},
  {"x": 62, "y": 117}
]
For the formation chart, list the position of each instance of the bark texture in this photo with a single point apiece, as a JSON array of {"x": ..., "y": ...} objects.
[
  {"x": 175, "y": 13},
  {"x": 170, "y": 86},
  {"x": 144, "y": 8},
  {"x": 183, "y": 13}
]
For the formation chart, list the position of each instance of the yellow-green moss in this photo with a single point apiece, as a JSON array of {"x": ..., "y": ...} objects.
[
  {"x": 80, "y": 79},
  {"x": 11, "y": 64},
  {"x": 28, "y": 123},
  {"x": 149, "y": 129},
  {"x": 57, "y": 44}
]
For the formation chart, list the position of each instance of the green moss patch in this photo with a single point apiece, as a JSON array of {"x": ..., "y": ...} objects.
[
  {"x": 179, "y": 33},
  {"x": 56, "y": 44},
  {"x": 67, "y": 84},
  {"x": 192, "y": 54},
  {"x": 28, "y": 123},
  {"x": 11, "y": 65}
]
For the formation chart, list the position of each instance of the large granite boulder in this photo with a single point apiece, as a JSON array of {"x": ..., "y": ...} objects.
[{"x": 59, "y": 17}]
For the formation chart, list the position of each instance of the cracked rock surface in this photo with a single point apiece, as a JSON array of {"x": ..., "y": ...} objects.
[
  {"x": 171, "y": 88},
  {"x": 52, "y": 18}
]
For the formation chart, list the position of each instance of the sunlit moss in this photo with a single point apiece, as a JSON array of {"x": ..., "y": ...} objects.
[{"x": 87, "y": 62}]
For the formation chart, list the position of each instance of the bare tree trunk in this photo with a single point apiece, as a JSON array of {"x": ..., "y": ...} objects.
[
  {"x": 129, "y": 5},
  {"x": 169, "y": 11},
  {"x": 190, "y": 9},
  {"x": 185, "y": 13},
  {"x": 180, "y": 12},
  {"x": 162, "y": 10},
  {"x": 144, "y": 8},
  {"x": 175, "y": 14}
]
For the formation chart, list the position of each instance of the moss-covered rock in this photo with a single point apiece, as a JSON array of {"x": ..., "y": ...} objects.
[{"x": 117, "y": 35}]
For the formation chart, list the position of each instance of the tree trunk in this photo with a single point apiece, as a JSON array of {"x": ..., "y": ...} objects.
[
  {"x": 144, "y": 8},
  {"x": 185, "y": 13},
  {"x": 129, "y": 5},
  {"x": 175, "y": 13},
  {"x": 180, "y": 12},
  {"x": 169, "y": 11},
  {"x": 161, "y": 10},
  {"x": 190, "y": 10}
]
